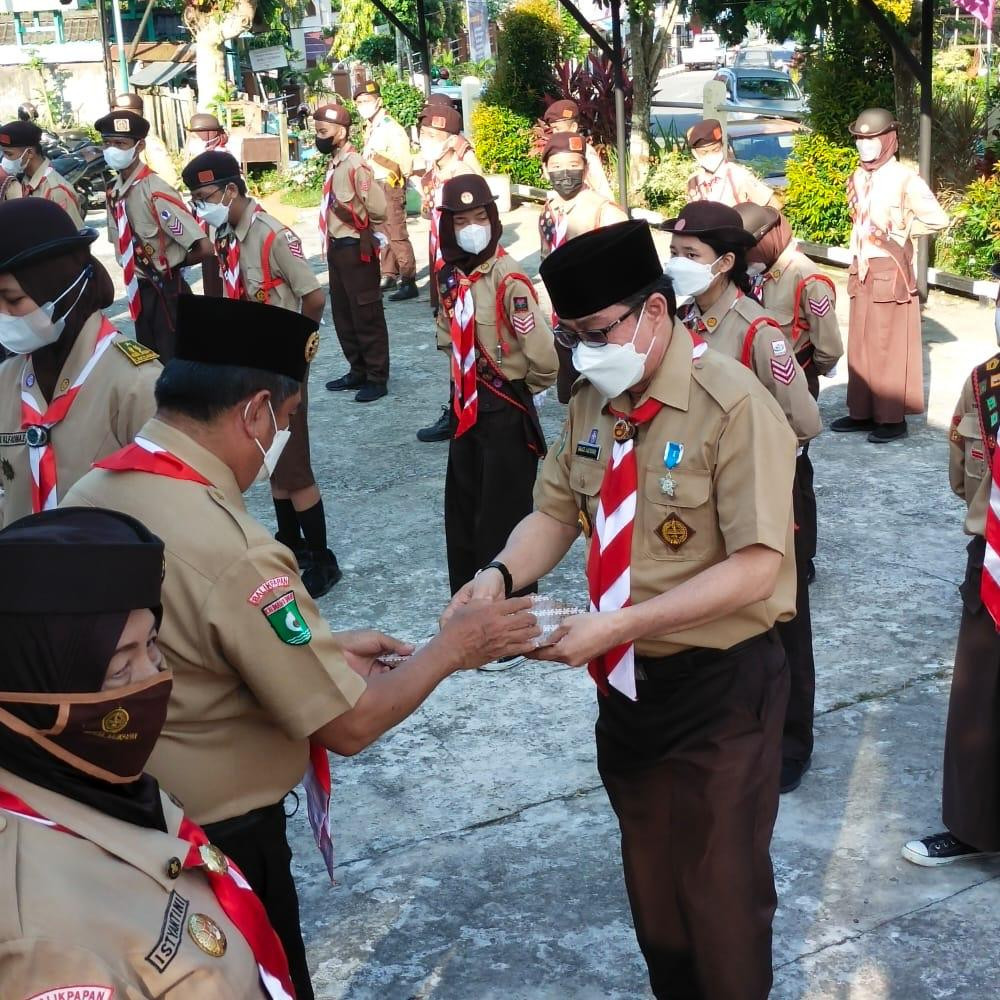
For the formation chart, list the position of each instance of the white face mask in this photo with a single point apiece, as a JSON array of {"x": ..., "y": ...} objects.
[
  {"x": 25, "y": 334},
  {"x": 431, "y": 149},
  {"x": 367, "y": 110},
  {"x": 216, "y": 214},
  {"x": 196, "y": 146},
  {"x": 996, "y": 323},
  {"x": 869, "y": 149},
  {"x": 474, "y": 238},
  {"x": 118, "y": 159},
  {"x": 14, "y": 167},
  {"x": 272, "y": 454},
  {"x": 690, "y": 277},
  {"x": 611, "y": 368},
  {"x": 711, "y": 161}
]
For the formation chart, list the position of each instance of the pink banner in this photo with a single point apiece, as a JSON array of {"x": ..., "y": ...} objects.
[{"x": 981, "y": 9}]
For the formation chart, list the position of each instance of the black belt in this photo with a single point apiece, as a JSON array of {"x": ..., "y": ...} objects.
[
  {"x": 697, "y": 657},
  {"x": 345, "y": 241}
]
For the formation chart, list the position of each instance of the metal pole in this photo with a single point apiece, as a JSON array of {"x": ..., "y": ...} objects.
[
  {"x": 116, "y": 10},
  {"x": 109, "y": 76},
  {"x": 926, "y": 118},
  {"x": 425, "y": 50},
  {"x": 616, "y": 45}
]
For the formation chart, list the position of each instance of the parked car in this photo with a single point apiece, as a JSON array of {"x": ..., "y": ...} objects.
[
  {"x": 762, "y": 90},
  {"x": 704, "y": 52},
  {"x": 764, "y": 57},
  {"x": 765, "y": 145}
]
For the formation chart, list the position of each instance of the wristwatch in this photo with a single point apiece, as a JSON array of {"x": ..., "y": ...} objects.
[{"x": 508, "y": 580}]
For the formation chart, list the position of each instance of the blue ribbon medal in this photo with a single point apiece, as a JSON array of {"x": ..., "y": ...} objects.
[{"x": 672, "y": 455}]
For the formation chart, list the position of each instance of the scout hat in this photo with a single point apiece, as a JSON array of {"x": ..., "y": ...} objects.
[
  {"x": 202, "y": 122},
  {"x": 212, "y": 167},
  {"x": 757, "y": 219},
  {"x": 441, "y": 99},
  {"x": 335, "y": 114},
  {"x": 128, "y": 102},
  {"x": 704, "y": 133},
  {"x": 464, "y": 192},
  {"x": 439, "y": 116},
  {"x": 561, "y": 111},
  {"x": 369, "y": 88},
  {"x": 20, "y": 134},
  {"x": 711, "y": 218},
  {"x": 564, "y": 142},
  {"x": 122, "y": 125},
  {"x": 872, "y": 122},
  {"x": 35, "y": 229},
  {"x": 600, "y": 268},
  {"x": 245, "y": 334}
]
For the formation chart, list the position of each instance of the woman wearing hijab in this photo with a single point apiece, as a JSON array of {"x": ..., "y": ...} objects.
[
  {"x": 74, "y": 389},
  {"x": 889, "y": 205},
  {"x": 106, "y": 889}
]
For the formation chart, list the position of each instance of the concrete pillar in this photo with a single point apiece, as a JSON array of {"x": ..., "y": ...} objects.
[{"x": 471, "y": 95}]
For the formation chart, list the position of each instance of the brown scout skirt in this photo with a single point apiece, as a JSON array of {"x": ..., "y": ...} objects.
[
  {"x": 294, "y": 469},
  {"x": 884, "y": 353}
]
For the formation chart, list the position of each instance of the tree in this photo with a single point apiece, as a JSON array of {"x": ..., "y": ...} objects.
[{"x": 212, "y": 23}]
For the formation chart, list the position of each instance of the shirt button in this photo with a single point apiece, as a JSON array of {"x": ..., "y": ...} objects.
[{"x": 174, "y": 868}]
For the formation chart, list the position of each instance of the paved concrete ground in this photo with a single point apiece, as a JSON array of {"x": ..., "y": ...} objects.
[{"x": 478, "y": 857}]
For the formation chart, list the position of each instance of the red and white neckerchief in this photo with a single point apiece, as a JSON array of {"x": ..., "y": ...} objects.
[
  {"x": 231, "y": 890},
  {"x": 463, "y": 354},
  {"x": 707, "y": 188},
  {"x": 859, "y": 204},
  {"x": 145, "y": 456},
  {"x": 324, "y": 202},
  {"x": 232, "y": 283},
  {"x": 42, "y": 459},
  {"x": 126, "y": 250},
  {"x": 436, "y": 257}
]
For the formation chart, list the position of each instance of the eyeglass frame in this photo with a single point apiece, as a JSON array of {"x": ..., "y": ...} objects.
[{"x": 595, "y": 338}]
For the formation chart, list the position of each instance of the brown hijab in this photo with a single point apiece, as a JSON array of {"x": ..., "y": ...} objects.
[{"x": 772, "y": 244}]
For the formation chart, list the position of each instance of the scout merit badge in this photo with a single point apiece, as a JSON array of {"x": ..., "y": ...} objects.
[{"x": 672, "y": 455}]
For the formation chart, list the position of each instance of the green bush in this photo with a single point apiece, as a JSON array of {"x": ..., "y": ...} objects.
[
  {"x": 972, "y": 243},
  {"x": 403, "y": 101},
  {"x": 666, "y": 185},
  {"x": 816, "y": 197},
  {"x": 503, "y": 143},
  {"x": 528, "y": 46},
  {"x": 376, "y": 50}
]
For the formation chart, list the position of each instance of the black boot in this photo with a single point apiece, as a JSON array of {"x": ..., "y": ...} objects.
[
  {"x": 299, "y": 550},
  {"x": 406, "y": 290},
  {"x": 440, "y": 430},
  {"x": 322, "y": 574},
  {"x": 348, "y": 381},
  {"x": 388, "y": 281}
]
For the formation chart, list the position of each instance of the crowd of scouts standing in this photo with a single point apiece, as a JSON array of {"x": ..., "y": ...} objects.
[{"x": 168, "y": 679}]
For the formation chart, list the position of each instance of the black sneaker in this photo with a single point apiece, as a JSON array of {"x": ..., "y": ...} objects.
[
  {"x": 388, "y": 281},
  {"x": 791, "y": 774},
  {"x": 348, "y": 381},
  {"x": 321, "y": 574},
  {"x": 941, "y": 849},
  {"x": 440, "y": 430},
  {"x": 370, "y": 391},
  {"x": 847, "y": 424},
  {"x": 888, "y": 432},
  {"x": 406, "y": 290}
]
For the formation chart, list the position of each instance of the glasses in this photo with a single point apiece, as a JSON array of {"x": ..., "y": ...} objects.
[
  {"x": 596, "y": 338},
  {"x": 203, "y": 200}
]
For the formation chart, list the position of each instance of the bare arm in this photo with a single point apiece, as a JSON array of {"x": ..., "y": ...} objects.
[{"x": 200, "y": 251}]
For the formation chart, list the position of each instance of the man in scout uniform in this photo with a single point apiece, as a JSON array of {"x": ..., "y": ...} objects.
[
  {"x": 503, "y": 356},
  {"x": 445, "y": 153},
  {"x": 387, "y": 152},
  {"x": 352, "y": 206},
  {"x": 154, "y": 152},
  {"x": 563, "y": 117},
  {"x": 971, "y": 792},
  {"x": 804, "y": 302},
  {"x": 718, "y": 178},
  {"x": 261, "y": 687},
  {"x": 153, "y": 232},
  {"x": 23, "y": 158},
  {"x": 83, "y": 830},
  {"x": 889, "y": 205},
  {"x": 687, "y": 575},
  {"x": 262, "y": 259},
  {"x": 74, "y": 388}
]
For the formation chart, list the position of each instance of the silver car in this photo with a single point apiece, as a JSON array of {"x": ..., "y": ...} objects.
[{"x": 761, "y": 91}]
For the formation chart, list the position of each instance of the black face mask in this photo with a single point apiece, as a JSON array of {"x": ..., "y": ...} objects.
[
  {"x": 566, "y": 183},
  {"x": 324, "y": 145}
]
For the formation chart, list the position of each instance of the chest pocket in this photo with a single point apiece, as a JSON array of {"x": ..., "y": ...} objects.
[
  {"x": 682, "y": 527},
  {"x": 585, "y": 478},
  {"x": 975, "y": 449}
]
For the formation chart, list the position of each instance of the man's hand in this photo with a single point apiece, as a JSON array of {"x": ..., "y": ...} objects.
[
  {"x": 487, "y": 586},
  {"x": 580, "y": 638},
  {"x": 481, "y": 630},
  {"x": 363, "y": 647}
]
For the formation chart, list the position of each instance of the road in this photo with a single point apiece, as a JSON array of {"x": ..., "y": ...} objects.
[{"x": 687, "y": 86}]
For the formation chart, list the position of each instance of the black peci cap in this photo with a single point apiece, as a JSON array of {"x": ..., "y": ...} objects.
[
  {"x": 35, "y": 229},
  {"x": 711, "y": 218},
  {"x": 20, "y": 133},
  {"x": 600, "y": 268},
  {"x": 79, "y": 560},
  {"x": 213, "y": 167},
  {"x": 122, "y": 124},
  {"x": 245, "y": 334}
]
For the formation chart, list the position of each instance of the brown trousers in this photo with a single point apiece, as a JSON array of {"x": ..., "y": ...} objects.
[
  {"x": 885, "y": 369},
  {"x": 156, "y": 327},
  {"x": 971, "y": 794},
  {"x": 294, "y": 469},
  {"x": 691, "y": 769},
  {"x": 356, "y": 304},
  {"x": 398, "y": 258}
]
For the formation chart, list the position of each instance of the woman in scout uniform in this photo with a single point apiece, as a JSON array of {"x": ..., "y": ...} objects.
[
  {"x": 804, "y": 301},
  {"x": 971, "y": 792},
  {"x": 74, "y": 388},
  {"x": 23, "y": 158},
  {"x": 262, "y": 259},
  {"x": 687, "y": 575},
  {"x": 153, "y": 232},
  {"x": 708, "y": 262},
  {"x": 117, "y": 893},
  {"x": 445, "y": 153},
  {"x": 718, "y": 178},
  {"x": 889, "y": 205},
  {"x": 563, "y": 118},
  {"x": 502, "y": 356},
  {"x": 572, "y": 208}
]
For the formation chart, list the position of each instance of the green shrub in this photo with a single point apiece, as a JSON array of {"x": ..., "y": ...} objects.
[
  {"x": 528, "y": 46},
  {"x": 816, "y": 197},
  {"x": 403, "y": 101},
  {"x": 503, "y": 143},
  {"x": 376, "y": 50},
  {"x": 972, "y": 243},
  {"x": 666, "y": 185}
]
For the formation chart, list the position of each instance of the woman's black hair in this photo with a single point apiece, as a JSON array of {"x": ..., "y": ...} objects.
[{"x": 738, "y": 273}]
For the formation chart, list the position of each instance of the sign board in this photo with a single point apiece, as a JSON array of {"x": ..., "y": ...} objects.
[
  {"x": 479, "y": 30},
  {"x": 272, "y": 57}
]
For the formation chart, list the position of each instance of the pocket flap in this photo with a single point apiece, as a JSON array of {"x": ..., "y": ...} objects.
[
  {"x": 969, "y": 427},
  {"x": 691, "y": 487},
  {"x": 586, "y": 477}
]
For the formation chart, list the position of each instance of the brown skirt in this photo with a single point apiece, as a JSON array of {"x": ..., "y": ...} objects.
[
  {"x": 884, "y": 353},
  {"x": 294, "y": 469}
]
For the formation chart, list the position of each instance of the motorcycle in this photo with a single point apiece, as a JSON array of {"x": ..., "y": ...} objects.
[{"x": 82, "y": 164}]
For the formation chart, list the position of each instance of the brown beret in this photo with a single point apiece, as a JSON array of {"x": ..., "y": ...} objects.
[
  {"x": 565, "y": 142},
  {"x": 369, "y": 88},
  {"x": 445, "y": 118},
  {"x": 561, "y": 111},
  {"x": 335, "y": 114},
  {"x": 711, "y": 218},
  {"x": 704, "y": 133}
]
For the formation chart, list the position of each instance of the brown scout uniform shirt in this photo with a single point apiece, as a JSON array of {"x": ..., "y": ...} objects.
[
  {"x": 100, "y": 911},
  {"x": 815, "y": 307},
  {"x": 286, "y": 258},
  {"x": 387, "y": 150},
  {"x": 46, "y": 183},
  {"x": 111, "y": 406},
  {"x": 449, "y": 164},
  {"x": 353, "y": 186},
  {"x": 594, "y": 176},
  {"x": 583, "y": 214},
  {"x": 532, "y": 354},
  {"x": 245, "y": 700},
  {"x": 968, "y": 462},
  {"x": 772, "y": 359},
  {"x": 733, "y": 486},
  {"x": 164, "y": 230},
  {"x": 731, "y": 184}
]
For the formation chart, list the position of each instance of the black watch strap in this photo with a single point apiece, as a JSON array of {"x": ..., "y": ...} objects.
[{"x": 508, "y": 580}]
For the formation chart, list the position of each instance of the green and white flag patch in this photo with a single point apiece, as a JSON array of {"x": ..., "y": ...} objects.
[{"x": 284, "y": 617}]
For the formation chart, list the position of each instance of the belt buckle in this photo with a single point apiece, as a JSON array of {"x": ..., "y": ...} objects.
[{"x": 36, "y": 436}]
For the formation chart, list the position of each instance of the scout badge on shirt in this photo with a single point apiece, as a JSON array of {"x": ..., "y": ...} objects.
[
  {"x": 672, "y": 455},
  {"x": 284, "y": 617},
  {"x": 173, "y": 223}
]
